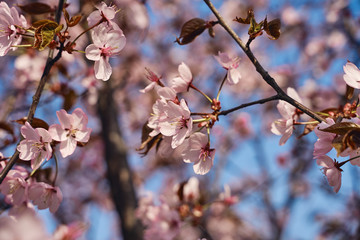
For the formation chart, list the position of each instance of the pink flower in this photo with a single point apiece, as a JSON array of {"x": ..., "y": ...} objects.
[
  {"x": 108, "y": 13},
  {"x": 9, "y": 19},
  {"x": 226, "y": 196},
  {"x": 45, "y": 196},
  {"x": 197, "y": 150},
  {"x": 36, "y": 145},
  {"x": 191, "y": 190},
  {"x": 182, "y": 83},
  {"x": 331, "y": 170},
  {"x": 285, "y": 126},
  {"x": 106, "y": 44},
  {"x": 15, "y": 187},
  {"x": 232, "y": 65},
  {"x": 72, "y": 129},
  {"x": 324, "y": 143},
  {"x": 72, "y": 231},
  {"x": 352, "y": 75},
  {"x": 178, "y": 123},
  {"x": 155, "y": 80}
]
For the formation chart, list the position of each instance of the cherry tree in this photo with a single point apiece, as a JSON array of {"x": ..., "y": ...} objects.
[{"x": 177, "y": 115}]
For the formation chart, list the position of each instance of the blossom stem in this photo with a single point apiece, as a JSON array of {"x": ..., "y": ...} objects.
[
  {"x": 222, "y": 84},
  {"x": 342, "y": 163},
  {"x": 261, "y": 101},
  {"x": 23, "y": 45},
  {"x": 202, "y": 114},
  {"x": 98, "y": 23},
  {"x": 305, "y": 123},
  {"x": 206, "y": 96},
  {"x": 200, "y": 120}
]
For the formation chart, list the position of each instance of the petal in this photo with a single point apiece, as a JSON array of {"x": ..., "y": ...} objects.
[
  {"x": 93, "y": 52},
  {"x": 67, "y": 147},
  {"x": 203, "y": 166},
  {"x": 325, "y": 161},
  {"x": 352, "y": 75},
  {"x": 80, "y": 119},
  {"x": 57, "y": 132},
  {"x": 29, "y": 132},
  {"x": 83, "y": 136},
  {"x": 64, "y": 119},
  {"x": 184, "y": 72},
  {"x": 103, "y": 69}
]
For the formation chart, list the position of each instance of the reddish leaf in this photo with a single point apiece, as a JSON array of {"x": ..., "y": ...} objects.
[
  {"x": 190, "y": 30},
  {"x": 36, "y": 123},
  {"x": 272, "y": 28},
  {"x": 341, "y": 128},
  {"x": 36, "y": 8},
  {"x": 247, "y": 20},
  {"x": 148, "y": 142},
  {"x": 8, "y": 128}
]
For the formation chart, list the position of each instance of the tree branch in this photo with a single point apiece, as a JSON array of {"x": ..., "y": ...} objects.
[
  {"x": 265, "y": 75},
  {"x": 36, "y": 98}
]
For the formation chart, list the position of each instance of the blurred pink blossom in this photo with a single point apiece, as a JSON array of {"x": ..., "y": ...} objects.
[
  {"x": 331, "y": 170},
  {"x": 103, "y": 12},
  {"x": 45, "y": 196},
  {"x": 9, "y": 19},
  {"x": 154, "y": 78},
  {"x": 15, "y": 187}
]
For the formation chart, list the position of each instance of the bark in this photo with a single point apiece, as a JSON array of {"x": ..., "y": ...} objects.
[{"x": 118, "y": 172}]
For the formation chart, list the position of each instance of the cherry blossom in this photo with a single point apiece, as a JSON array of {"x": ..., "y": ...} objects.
[
  {"x": 36, "y": 145},
  {"x": 45, "y": 196},
  {"x": 324, "y": 143},
  {"x": 285, "y": 126},
  {"x": 106, "y": 44},
  {"x": 331, "y": 170},
  {"x": 15, "y": 187},
  {"x": 230, "y": 64},
  {"x": 72, "y": 231},
  {"x": 103, "y": 12},
  {"x": 352, "y": 75},
  {"x": 197, "y": 150},
  {"x": 72, "y": 129},
  {"x": 150, "y": 75},
  {"x": 178, "y": 123},
  {"x": 191, "y": 190},
  {"x": 183, "y": 81},
  {"x": 9, "y": 19}
]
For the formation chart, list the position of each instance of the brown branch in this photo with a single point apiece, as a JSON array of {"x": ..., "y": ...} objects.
[
  {"x": 118, "y": 171},
  {"x": 265, "y": 75},
  {"x": 36, "y": 98},
  {"x": 261, "y": 101}
]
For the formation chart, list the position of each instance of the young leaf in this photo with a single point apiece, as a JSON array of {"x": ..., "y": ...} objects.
[
  {"x": 190, "y": 30},
  {"x": 272, "y": 28},
  {"x": 36, "y": 123},
  {"x": 247, "y": 20}
]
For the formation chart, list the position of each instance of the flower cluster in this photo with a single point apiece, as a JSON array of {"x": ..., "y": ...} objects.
[
  {"x": 180, "y": 205},
  {"x": 108, "y": 40},
  {"x": 18, "y": 186},
  {"x": 172, "y": 121},
  {"x": 338, "y": 130}
]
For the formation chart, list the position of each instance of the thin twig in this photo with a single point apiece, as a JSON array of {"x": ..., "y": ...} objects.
[
  {"x": 261, "y": 101},
  {"x": 265, "y": 75}
]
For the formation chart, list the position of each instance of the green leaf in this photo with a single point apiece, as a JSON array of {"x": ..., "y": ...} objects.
[{"x": 247, "y": 20}]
